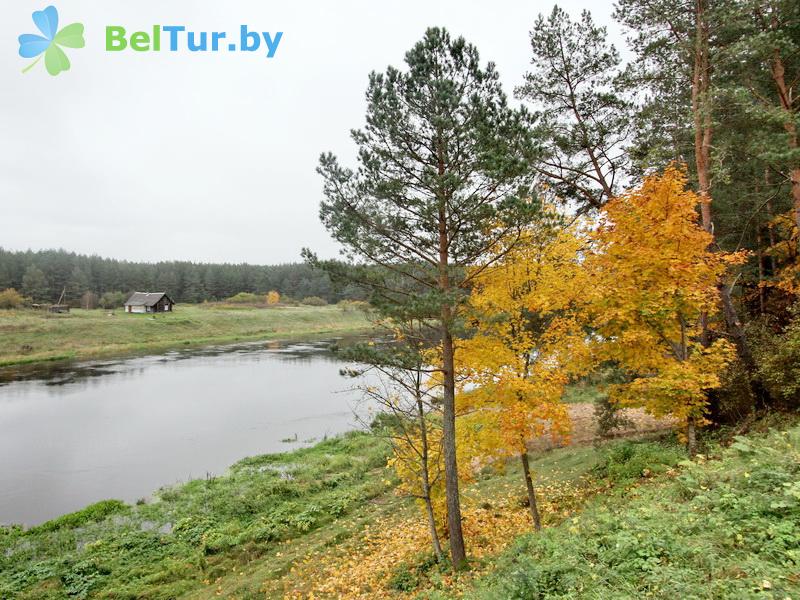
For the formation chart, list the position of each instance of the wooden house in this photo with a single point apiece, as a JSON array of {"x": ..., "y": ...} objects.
[{"x": 149, "y": 302}]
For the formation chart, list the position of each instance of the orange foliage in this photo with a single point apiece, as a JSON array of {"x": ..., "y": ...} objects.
[
  {"x": 652, "y": 276},
  {"x": 362, "y": 568},
  {"x": 525, "y": 348}
]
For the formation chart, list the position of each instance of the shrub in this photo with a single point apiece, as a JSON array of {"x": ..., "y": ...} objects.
[
  {"x": 610, "y": 417},
  {"x": 112, "y": 299},
  {"x": 778, "y": 357},
  {"x": 11, "y": 298},
  {"x": 314, "y": 301},
  {"x": 245, "y": 298},
  {"x": 627, "y": 461},
  {"x": 352, "y": 305},
  {"x": 408, "y": 577},
  {"x": 273, "y": 297}
]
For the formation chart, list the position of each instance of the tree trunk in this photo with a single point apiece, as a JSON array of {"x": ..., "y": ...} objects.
[
  {"x": 701, "y": 114},
  {"x": 743, "y": 351},
  {"x": 526, "y": 469},
  {"x": 691, "y": 437},
  {"x": 703, "y": 130},
  {"x": 426, "y": 483},
  {"x": 770, "y": 226},
  {"x": 437, "y": 546},
  {"x": 457, "y": 551},
  {"x": 760, "y": 256},
  {"x": 787, "y": 104}
]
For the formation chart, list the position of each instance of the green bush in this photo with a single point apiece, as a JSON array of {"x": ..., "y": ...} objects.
[
  {"x": 408, "y": 576},
  {"x": 625, "y": 462},
  {"x": 246, "y": 298},
  {"x": 314, "y": 301},
  {"x": 112, "y": 300},
  {"x": 11, "y": 298},
  {"x": 610, "y": 418},
  {"x": 778, "y": 357}
]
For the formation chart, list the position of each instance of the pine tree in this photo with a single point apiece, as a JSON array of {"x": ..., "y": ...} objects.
[
  {"x": 582, "y": 117},
  {"x": 443, "y": 176},
  {"x": 34, "y": 284}
]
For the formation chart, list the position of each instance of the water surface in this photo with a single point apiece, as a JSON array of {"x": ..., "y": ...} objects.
[{"x": 75, "y": 434}]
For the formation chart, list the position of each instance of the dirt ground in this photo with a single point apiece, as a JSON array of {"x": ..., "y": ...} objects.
[{"x": 584, "y": 426}]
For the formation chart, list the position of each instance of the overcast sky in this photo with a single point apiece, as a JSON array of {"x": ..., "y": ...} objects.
[{"x": 210, "y": 156}]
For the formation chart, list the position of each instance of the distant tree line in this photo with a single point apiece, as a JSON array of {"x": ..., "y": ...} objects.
[{"x": 42, "y": 275}]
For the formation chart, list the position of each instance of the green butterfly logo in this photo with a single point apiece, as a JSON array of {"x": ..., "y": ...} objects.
[{"x": 50, "y": 42}]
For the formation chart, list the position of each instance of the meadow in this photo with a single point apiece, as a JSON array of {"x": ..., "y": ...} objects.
[{"x": 31, "y": 336}]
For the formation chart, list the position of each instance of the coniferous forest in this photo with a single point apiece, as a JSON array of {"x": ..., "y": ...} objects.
[{"x": 42, "y": 275}]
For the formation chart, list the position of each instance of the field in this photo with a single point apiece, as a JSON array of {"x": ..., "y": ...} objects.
[{"x": 28, "y": 336}]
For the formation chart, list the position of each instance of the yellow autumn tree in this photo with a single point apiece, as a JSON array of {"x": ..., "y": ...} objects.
[
  {"x": 652, "y": 276},
  {"x": 526, "y": 346},
  {"x": 273, "y": 297},
  {"x": 398, "y": 381}
]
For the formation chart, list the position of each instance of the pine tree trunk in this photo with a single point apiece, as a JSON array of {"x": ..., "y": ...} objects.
[
  {"x": 770, "y": 226},
  {"x": 786, "y": 101},
  {"x": 760, "y": 256},
  {"x": 456, "y": 536},
  {"x": 457, "y": 551},
  {"x": 703, "y": 131},
  {"x": 526, "y": 469},
  {"x": 701, "y": 113}
]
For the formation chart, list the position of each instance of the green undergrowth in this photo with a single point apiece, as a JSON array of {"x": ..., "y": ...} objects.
[
  {"x": 725, "y": 526},
  {"x": 195, "y": 533}
]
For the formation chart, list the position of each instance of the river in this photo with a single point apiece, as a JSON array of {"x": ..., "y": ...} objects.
[{"x": 71, "y": 435}]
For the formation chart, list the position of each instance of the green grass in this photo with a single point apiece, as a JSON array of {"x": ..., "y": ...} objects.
[
  {"x": 200, "y": 531},
  {"x": 725, "y": 527},
  {"x": 28, "y": 336},
  {"x": 650, "y": 525}
]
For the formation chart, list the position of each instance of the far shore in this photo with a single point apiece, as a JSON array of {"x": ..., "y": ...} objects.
[{"x": 31, "y": 337}]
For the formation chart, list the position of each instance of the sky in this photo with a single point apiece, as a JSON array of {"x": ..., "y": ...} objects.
[{"x": 211, "y": 156}]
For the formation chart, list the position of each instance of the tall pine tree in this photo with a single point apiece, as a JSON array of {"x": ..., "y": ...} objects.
[{"x": 444, "y": 175}]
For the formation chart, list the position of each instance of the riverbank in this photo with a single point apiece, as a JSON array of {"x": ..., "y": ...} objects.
[
  {"x": 325, "y": 521},
  {"x": 30, "y": 337}
]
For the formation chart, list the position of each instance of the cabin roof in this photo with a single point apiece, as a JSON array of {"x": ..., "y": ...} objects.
[{"x": 146, "y": 298}]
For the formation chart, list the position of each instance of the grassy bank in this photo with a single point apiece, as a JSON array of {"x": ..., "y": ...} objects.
[
  {"x": 193, "y": 535},
  {"x": 28, "y": 336},
  {"x": 276, "y": 526},
  {"x": 727, "y": 526},
  {"x": 630, "y": 519}
]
